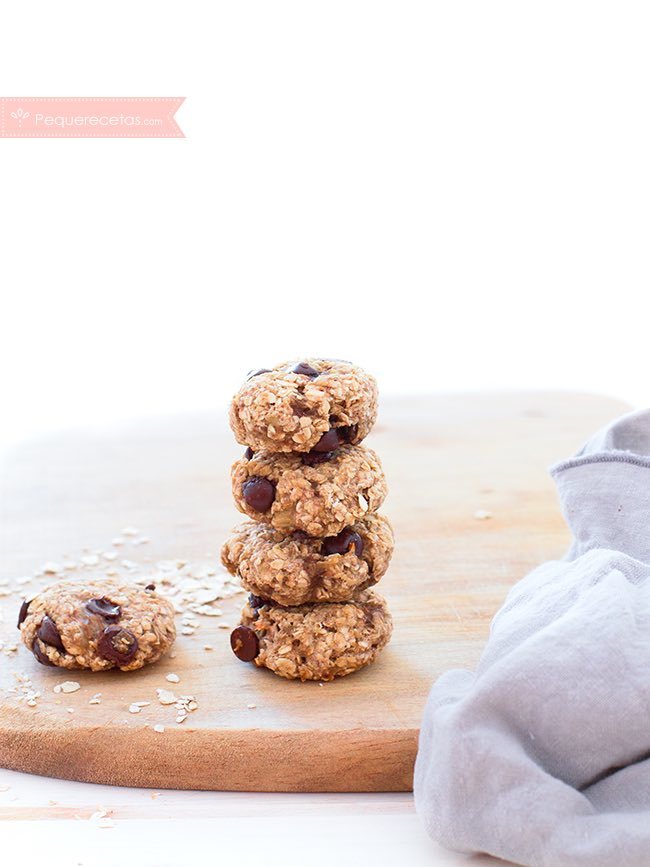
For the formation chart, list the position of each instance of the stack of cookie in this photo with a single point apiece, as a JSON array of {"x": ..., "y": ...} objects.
[{"x": 315, "y": 544}]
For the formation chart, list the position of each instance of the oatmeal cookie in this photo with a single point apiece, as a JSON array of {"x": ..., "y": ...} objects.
[
  {"x": 313, "y": 642},
  {"x": 97, "y": 624},
  {"x": 313, "y": 403},
  {"x": 297, "y": 568},
  {"x": 320, "y": 495}
]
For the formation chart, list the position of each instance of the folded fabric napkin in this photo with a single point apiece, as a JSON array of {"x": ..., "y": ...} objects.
[{"x": 542, "y": 756}]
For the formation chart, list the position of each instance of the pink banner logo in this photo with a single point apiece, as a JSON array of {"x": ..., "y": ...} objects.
[{"x": 89, "y": 116}]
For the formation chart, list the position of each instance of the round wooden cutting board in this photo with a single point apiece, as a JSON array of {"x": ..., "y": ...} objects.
[{"x": 473, "y": 510}]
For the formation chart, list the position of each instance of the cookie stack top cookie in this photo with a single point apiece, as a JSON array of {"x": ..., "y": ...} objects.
[
  {"x": 315, "y": 543},
  {"x": 316, "y": 404}
]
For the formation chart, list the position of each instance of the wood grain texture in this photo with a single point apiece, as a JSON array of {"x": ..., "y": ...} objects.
[{"x": 445, "y": 458}]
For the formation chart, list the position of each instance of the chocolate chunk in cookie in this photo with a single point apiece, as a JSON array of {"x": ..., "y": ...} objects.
[
  {"x": 48, "y": 634},
  {"x": 304, "y": 369},
  {"x": 346, "y": 540},
  {"x": 244, "y": 643},
  {"x": 22, "y": 614},
  {"x": 328, "y": 442},
  {"x": 118, "y": 645},
  {"x": 105, "y": 608},
  {"x": 258, "y": 493}
]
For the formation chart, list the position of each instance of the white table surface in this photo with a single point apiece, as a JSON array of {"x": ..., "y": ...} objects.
[{"x": 165, "y": 828}]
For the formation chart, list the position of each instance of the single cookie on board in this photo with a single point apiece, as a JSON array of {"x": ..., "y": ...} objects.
[
  {"x": 296, "y": 568},
  {"x": 312, "y": 403},
  {"x": 320, "y": 497},
  {"x": 97, "y": 624},
  {"x": 313, "y": 642}
]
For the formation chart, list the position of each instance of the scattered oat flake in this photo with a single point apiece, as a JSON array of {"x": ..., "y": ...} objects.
[
  {"x": 159, "y": 729},
  {"x": 110, "y": 555},
  {"x": 103, "y": 819},
  {"x": 173, "y": 678},
  {"x": 4, "y": 788},
  {"x": 130, "y": 531},
  {"x": 67, "y": 686},
  {"x": 482, "y": 515},
  {"x": 96, "y": 699},
  {"x": 205, "y": 596},
  {"x": 208, "y": 647},
  {"x": 166, "y": 697},
  {"x": 134, "y": 708},
  {"x": 251, "y": 706},
  {"x": 207, "y": 611},
  {"x": 52, "y": 568}
]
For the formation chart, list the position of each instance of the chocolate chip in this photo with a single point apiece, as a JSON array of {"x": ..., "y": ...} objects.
[
  {"x": 249, "y": 454},
  {"x": 312, "y": 459},
  {"x": 328, "y": 442},
  {"x": 257, "y": 601},
  {"x": 38, "y": 653},
  {"x": 253, "y": 373},
  {"x": 105, "y": 608},
  {"x": 258, "y": 493},
  {"x": 49, "y": 634},
  {"x": 342, "y": 543},
  {"x": 150, "y": 587},
  {"x": 117, "y": 645},
  {"x": 349, "y": 433},
  {"x": 369, "y": 610},
  {"x": 22, "y": 614},
  {"x": 244, "y": 643},
  {"x": 305, "y": 369}
]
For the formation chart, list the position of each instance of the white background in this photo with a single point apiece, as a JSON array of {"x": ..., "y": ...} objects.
[{"x": 455, "y": 195}]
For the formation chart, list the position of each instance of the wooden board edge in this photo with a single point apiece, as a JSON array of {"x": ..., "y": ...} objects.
[{"x": 354, "y": 760}]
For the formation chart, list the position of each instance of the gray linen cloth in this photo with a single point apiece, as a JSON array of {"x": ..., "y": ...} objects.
[{"x": 542, "y": 756}]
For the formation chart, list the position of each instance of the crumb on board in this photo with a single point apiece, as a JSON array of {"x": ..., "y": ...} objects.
[
  {"x": 482, "y": 515},
  {"x": 67, "y": 686}
]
